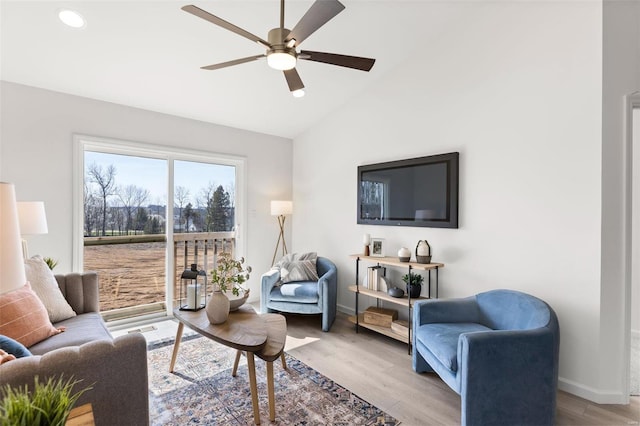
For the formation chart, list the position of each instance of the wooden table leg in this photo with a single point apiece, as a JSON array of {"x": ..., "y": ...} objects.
[
  {"x": 272, "y": 403},
  {"x": 284, "y": 362},
  {"x": 254, "y": 387},
  {"x": 235, "y": 364},
  {"x": 176, "y": 345}
]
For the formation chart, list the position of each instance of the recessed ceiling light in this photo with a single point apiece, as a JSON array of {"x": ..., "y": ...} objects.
[{"x": 71, "y": 18}]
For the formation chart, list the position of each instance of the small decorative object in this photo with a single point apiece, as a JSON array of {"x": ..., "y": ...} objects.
[
  {"x": 383, "y": 284},
  {"x": 414, "y": 284},
  {"x": 366, "y": 240},
  {"x": 395, "y": 292},
  {"x": 192, "y": 292},
  {"x": 218, "y": 307},
  {"x": 404, "y": 255},
  {"x": 229, "y": 275},
  {"x": 377, "y": 247},
  {"x": 46, "y": 403},
  {"x": 235, "y": 303},
  {"x": 423, "y": 252}
]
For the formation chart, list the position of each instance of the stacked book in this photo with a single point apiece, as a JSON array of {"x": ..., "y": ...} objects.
[{"x": 374, "y": 277}]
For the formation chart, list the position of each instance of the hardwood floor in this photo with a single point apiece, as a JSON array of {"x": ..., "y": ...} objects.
[{"x": 378, "y": 369}]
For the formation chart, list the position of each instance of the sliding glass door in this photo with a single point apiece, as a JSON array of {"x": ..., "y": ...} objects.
[{"x": 146, "y": 214}]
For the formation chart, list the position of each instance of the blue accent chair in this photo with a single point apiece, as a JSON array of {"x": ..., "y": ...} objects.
[
  {"x": 498, "y": 350},
  {"x": 303, "y": 297}
]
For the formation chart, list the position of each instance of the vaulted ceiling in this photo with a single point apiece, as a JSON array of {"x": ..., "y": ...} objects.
[{"x": 148, "y": 54}]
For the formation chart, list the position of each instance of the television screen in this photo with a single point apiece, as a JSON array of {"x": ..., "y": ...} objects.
[{"x": 415, "y": 192}]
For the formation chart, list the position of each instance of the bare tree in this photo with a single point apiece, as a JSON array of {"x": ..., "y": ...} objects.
[
  {"x": 181, "y": 196},
  {"x": 91, "y": 209},
  {"x": 132, "y": 198},
  {"x": 106, "y": 181}
]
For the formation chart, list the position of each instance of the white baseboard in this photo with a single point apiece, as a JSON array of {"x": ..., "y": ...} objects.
[{"x": 595, "y": 395}]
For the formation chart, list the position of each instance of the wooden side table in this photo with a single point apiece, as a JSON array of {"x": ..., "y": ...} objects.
[{"x": 81, "y": 416}]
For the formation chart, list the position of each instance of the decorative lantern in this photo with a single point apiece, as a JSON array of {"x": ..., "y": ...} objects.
[{"x": 193, "y": 289}]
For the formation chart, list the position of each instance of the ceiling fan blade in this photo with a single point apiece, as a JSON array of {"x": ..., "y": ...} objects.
[
  {"x": 293, "y": 80},
  {"x": 318, "y": 14},
  {"x": 194, "y": 10},
  {"x": 234, "y": 62},
  {"x": 355, "y": 62}
]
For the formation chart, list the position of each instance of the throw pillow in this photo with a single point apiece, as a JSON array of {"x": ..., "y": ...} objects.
[
  {"x": 298, "y": 267},
  {"x": 44, "y": 284},
  {"x": 24, "y": 318},
  {"x": 13, "y": 347}
]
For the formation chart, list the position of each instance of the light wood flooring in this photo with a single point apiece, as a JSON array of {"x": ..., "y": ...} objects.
[{"x": 378, "y": 369}]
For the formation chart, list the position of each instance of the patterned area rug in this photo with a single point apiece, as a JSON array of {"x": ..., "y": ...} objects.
[{"x": 202, "y": 391}]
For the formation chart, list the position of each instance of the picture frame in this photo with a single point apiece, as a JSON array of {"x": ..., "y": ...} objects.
[{"x": 377, "y": 247}]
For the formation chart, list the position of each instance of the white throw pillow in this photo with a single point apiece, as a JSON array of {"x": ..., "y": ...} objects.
[{"x": 44, "y": 284}]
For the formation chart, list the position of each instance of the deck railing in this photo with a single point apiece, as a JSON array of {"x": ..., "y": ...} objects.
[{"x": 136, "y": 286}]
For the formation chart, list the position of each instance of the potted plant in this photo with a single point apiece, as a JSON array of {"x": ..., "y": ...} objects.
[
  {"x": 229, "y": 275},
  {"x": 414, "y": 284},
  {"x": 49, "y": 403}
]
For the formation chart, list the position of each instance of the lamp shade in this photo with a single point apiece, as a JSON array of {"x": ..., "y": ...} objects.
[
  {"x": 12, "y": 275},
  {"x": 281, "y": 208},
  {"x": 32, "y": 218}
]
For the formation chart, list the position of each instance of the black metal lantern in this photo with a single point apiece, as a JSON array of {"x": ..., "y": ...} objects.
[{"x": 193, "y": 289}]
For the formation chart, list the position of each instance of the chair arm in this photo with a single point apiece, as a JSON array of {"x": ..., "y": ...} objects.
[
  {"x": 328, "y": 288},
  {"x": 446, "y": 310},
  {"x": 81, "y": 291},
  {"x": 268, "y": 280},
  {"x": 116, "y": 370},
  {"x": 503, "y": 369}
]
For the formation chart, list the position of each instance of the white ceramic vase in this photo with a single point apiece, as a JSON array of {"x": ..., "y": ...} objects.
[{"x": 218, "y": 308}]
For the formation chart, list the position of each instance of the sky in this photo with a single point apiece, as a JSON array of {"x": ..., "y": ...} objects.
[{"x": 151, "y": 174}]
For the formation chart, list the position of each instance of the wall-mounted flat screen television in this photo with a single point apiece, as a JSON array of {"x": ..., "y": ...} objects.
[{"x": 414, "y": 192}]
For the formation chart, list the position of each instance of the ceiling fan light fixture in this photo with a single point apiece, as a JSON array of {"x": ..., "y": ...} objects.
[
  {"x": 298, "y": 93},
  {"x": 281, "y": 61},
  {"x": 71, "y": 18}
]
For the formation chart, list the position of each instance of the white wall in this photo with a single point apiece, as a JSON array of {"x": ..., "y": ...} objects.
[
  {"x": 635, "y": 284},
  {"x": 36, "y": 135},
  {"x": 516, "y": 88}
]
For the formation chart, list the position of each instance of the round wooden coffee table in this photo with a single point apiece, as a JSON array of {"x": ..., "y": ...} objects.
[{"x": 246, "y": 331}]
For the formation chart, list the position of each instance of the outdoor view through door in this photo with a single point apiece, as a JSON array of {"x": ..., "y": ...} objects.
[{"x": 126, "y": 238}]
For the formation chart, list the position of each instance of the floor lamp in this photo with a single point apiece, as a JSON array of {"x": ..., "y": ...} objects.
[
  {"x": 280, "y": 209},
  {"x": 12, "y": 275},
  {"x": 33, "y": 221}
]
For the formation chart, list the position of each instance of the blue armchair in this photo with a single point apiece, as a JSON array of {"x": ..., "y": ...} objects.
[
  {"x": 498, "y": 350},
  {"x": 303, "y": 297}
]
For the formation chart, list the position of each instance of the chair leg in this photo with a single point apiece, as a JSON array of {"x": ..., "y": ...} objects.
[{"x": 235, "y": 364}]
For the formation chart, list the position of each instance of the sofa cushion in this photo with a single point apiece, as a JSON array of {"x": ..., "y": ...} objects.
[
  {"x": 79, "y": 330},
  {"x": 298, "y": 292},
  {"x": 23, "y": 317},
  {"x": 44, "y": 284},
  {"x": 442, "y": 340}
]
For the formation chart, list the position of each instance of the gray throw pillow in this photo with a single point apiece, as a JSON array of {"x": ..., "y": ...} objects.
[{"x": 298, "y": 267}]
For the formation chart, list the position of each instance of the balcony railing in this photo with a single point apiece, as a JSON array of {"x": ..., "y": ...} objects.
[{"x": 132, "y": 268}]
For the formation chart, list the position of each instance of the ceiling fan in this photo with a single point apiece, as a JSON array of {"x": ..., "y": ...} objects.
[{"x": 281, "y": 44}]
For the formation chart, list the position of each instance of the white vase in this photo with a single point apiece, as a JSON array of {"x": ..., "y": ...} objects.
[{"x": 218, "y": 308}]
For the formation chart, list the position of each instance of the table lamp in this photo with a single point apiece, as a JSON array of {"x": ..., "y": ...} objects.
[
  {"x": 12, "y": 275},
  {"x": 33, "y": 221},
  {"x": 280, "y": 209}
]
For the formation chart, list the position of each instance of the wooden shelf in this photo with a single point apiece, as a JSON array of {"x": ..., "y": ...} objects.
[
  {"x": 382, "y": 330},
  {"x": 404, "y": 301},
  {"x": 393, "y": 260}
]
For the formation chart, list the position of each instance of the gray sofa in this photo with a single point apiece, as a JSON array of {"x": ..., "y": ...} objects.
[{"x": 115, "y": 368}]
